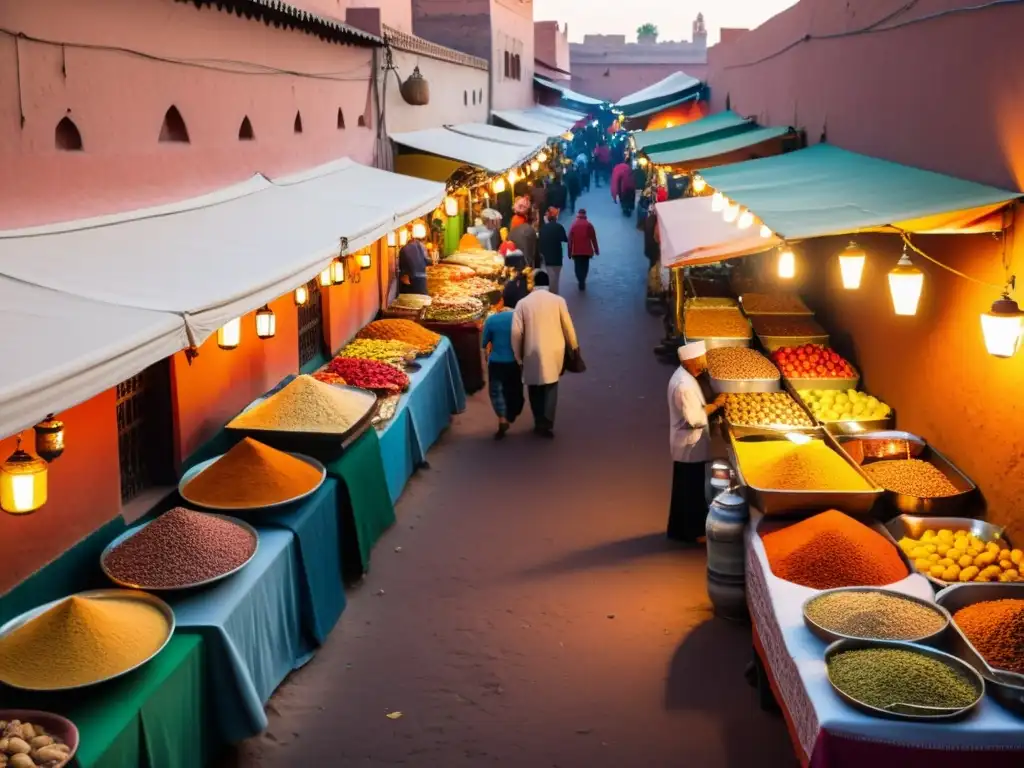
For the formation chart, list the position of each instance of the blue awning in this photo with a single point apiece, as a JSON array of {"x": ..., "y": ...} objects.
[
  {"x": 824, "y": 190},
  {"x": 711, "y": 127},
  {"x": 697, "y": 153}
]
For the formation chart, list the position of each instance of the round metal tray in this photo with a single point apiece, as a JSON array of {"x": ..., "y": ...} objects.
[
  {"x": 830, "y": 636},
  {"x": 56, "y": 726},
  {"x": 742, "y": 386},
  {"x": 356, "y": 426},
  {"x": 843, "y": 384},
  {"x": 203, "y": 465},
  {"x": 149, "y": 588},
  {"x": 954, "y": 714},
  {"x": 95, "y": 594},
  {"x": 914, "y": 526}
]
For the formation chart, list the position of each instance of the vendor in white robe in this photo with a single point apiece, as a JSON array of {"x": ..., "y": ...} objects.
[{"x": 690, "y": 437}]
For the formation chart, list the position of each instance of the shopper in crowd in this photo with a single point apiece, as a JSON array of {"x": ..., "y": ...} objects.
[
  {"x": 623, "y": 188},
  {"x": 583, "y": 169},
  {"x": 539, "y": 195},
  {"x": 542, "y": 333},
  {"x": 522, "y": 186},
  {"x": 520, "y": 211},
  {"x": 690, "y": 440},
  {"x": 524, "y": 235},
  {"x": 582, "y": 247},
  {"x": 557, "y": 194},
  {"x": 504, "y": 374},
  {"x": 572, "y": 187},
  {"x": 652, "y": 242},
  {"x": 412, "y": 268},
  {"x": 602, "y": 163},
  {"x": 549, "y": 243}
]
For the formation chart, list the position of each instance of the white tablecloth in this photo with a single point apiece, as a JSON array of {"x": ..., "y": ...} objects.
[{"x": 797, "y": 664}]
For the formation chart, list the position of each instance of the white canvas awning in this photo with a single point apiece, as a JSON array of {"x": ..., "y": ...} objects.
[
  {"x": 481, "y": 153},
  {"x": 537, "y": 120},
  {"x": 60, "y": 350},
  {"x": 691, "y": 233},
  {"x": 568, "y": 94},
  {"x": 675, "y": 85},
  {"x": 213, "y": 258},
  {"x": 532, "y": 141}
]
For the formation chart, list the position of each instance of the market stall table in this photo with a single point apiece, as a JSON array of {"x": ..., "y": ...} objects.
[
  {"x": 465, "y": 338},
  {"x": 154, "y": 717},
  {"x": 822, "y": 726},
  {"x": 423, "y": 413}
]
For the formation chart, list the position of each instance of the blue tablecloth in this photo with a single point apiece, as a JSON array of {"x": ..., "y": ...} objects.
[
  {"x": 252, "y": 626},
  {"x": 315, "y": 525},
  {"x": 435, "y": 393}
]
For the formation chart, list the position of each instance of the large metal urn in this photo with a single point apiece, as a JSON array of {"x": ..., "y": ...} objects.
[
  {"x": 726, "y": 524},
  {"x": 415, "y": 90}
]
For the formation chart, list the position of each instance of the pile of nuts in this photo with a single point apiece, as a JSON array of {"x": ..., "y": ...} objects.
[
  {"x": 715, "y": 322},
  {"x": 911, "y": 477},
  {"x": 773, "y": 304},
  {"x": 765, "y": 409},
  {"x": 740, "y": 363},
  {"x": 787, "y": 325},
  {"x": 24, "y": 745}
]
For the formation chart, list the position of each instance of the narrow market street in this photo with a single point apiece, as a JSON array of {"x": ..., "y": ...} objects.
[{"x": 527, "y": 610}]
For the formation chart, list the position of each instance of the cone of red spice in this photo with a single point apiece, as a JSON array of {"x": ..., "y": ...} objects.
[
  {"x": 996, "y": 630},
  {"x": 833, "y": 550}
]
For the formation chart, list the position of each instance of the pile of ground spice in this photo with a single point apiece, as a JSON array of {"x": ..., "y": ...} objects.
[
  {"x": 874, "y": 615},
  {"x": 402, "y": 330},
  {"x": 80, "y": 641},
  {"x": 180, "y": 548},
  {"x": 996, "y": 630},
  {"x": 833, "y": 550},
  {"x": 252, "y": 475},
  {"x": 306, "y": 405}
]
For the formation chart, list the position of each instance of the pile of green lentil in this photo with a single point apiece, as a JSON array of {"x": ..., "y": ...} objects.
[
  {"x": 874, "y": 616},
  {"x": 881, "y": 677}
]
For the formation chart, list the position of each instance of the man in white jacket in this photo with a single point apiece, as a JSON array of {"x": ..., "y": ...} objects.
[{"x": 541, "y": 331}]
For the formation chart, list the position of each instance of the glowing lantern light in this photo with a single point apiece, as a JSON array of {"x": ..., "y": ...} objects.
[
  {"x": 338, "y": 271},
  {"x": 229, "y": 335},
  {"x": 22, "y": 482},
  {"x": 542, "y": 157},
  {"x": 301, "y": 296},
  {"x": 498, "y": 186},
  {"x": 325, "y": 278},
  {"x": 512, "y": 177},
  {"x": 364, "y": 259},
  {"x": 266, "y": 323},
  {"x": 393, "y": 236},
  {"x": 419, "y": 230},
  {"x": 731, "y": 212},
  {"x": 534, "y": 166},
  {"x": 766, "y": 231},
  {"x": 699, "y": 185},
  {"x": 403, "y": 236},
  {"x": 787, "y": 264},
  {"x": 50, "y": 438},
  {"x": 905, "y": 283},
  {"x": 451, "y": 208},
  {"x": 1002, "y": 326},
  {"x": 745, "y": 220},
  {"x": 851, "y": 265},
  {"x": 642, "y": 162},
  {"x": 717, "y": 201}
]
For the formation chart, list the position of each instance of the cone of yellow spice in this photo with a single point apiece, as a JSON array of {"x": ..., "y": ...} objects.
[
  {"x": 251, "y": 475},
  {"x": 81, "y": 641}
]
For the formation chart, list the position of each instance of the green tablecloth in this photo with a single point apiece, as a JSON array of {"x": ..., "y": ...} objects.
[{"x": 153, "y": 718}]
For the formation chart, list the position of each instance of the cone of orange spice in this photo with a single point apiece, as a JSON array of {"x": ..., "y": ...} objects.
[
  {"x": 402, "y": 330},
  {"x": 833, "y": 550}
]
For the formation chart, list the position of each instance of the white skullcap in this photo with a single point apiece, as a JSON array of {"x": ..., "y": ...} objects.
[{"x": 692, "y": 351}]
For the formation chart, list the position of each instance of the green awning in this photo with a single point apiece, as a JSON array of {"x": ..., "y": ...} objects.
[
  {"x": 712, "y": 127},
  {"x": 715, "y": 147},
  {"x": 663, "y": 107},
  {"x": 824, "y": 190}
]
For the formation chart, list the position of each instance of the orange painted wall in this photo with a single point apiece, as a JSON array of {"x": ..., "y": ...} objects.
[
  {"x": 83, "y": 492},
  {"x": 350, "y": 306}
]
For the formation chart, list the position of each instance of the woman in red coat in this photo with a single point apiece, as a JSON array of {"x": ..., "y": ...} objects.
[{"x": 582, "y": 246}]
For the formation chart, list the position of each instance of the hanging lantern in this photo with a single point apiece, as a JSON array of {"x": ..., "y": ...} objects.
[
  {"x": 419, "y": 230},
  {"x": 364, "y": 259},
  {"x": 301, "y": 296},
  {"x": 717, "y": 202},
  {"x": 534, "y": 166},
  {"x": 512, "y": 177},
  {"x": 22, "y": 482},
  {"x": 403, "y": 236},
  {"x": 851, "y": 265},
  {"x": 731, "y": 212},
  {"x": 393, "y": 236},
  {"x": 698, "y": 183},
  {"x": 266, "y": 322},
  {"x": 229, "y": 335},
  {"x": 1001, "y": 326},
  {"x": 642, "y": 162},
  {"x": 905, "y": 283},
  {"x": 338, "y": 271},
  {"x": 542, "y": 157},
  {"x": 50, "y": 438},
  {"x": 745, "y": 220},
  {"x": 498, "y": 186},
  {"x": 451, "y": 208},
  {"x": 325, "y": 278},
  {"x": 766, "y": 231},
  {"x": 787, "y": 264}
]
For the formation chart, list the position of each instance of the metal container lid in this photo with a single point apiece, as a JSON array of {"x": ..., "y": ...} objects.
[{"x": 730, "y": 499}]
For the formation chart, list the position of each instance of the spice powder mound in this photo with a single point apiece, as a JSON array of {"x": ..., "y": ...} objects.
[
  {"x": 996, "y": 630},
  {"x": 833, "y": 550},
  {"x": 306, "y": 405},
  {"x": 180, "y": 548},
  {"x": 80, "y": 641},
  {"x": 252, "y": 475}
]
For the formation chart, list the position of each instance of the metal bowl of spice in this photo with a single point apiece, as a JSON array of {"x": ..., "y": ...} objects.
[
  {"x": 869, "y": 613},
  {"x": 84, "y": 639},
  {"x": 902, "y": 681},
  {"x": 181, "y": 549}
]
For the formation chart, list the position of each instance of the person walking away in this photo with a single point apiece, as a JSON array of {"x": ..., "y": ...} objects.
[
  {"x": 572, "y": 187},
  {"x": 557, "y": 194},
  {"x": 504, "y": 374},
  {"x": 412, "y": 268},
  {"x": 623, "y": 188},
  {"x": 583, "y": 168},
  {"x": 539, "y": 196},
  {"x": 652, "y": 240},
  {"x": 602, "y": 164},
  {"x": 542, "y": 333},
  {"x": 524, "y": 237},
  {"x": 582, "y": 247},
  {"x": 690, "y": 440},
  {"x": 549, "y": 243}
]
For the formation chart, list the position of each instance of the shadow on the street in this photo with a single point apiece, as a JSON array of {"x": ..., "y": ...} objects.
[{"x": 610, "y": 554}]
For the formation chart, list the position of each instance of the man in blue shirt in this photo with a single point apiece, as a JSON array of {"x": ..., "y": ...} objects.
[{"x": 505, "y": 377}]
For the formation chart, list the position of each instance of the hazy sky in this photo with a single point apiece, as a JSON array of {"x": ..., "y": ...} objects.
[{"x": 674, "y": 18}]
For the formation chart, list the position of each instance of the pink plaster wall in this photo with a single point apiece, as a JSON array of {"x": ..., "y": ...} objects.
[
  {"x": 613, "y": 81},
  {"x": 512, "y": 29},
  {"x": 551, "y": 44},
  {"x": 118, "y": 102}
]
